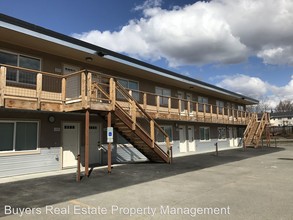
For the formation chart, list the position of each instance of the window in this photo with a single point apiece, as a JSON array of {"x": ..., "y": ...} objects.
[
  {"x": 18, "y": 136},
  {"x": 204, "y": 133},
  {"x": 168, "y": 129},
  {"x": 222, "y": 135},
  {"x": 164, "y": 94},
  {"x": 240, "y": 108},
  {"x": 131, "y": 85},
  {"x": 220, "y": 104},
  {"x": 18, "y": 60},
  {"x": 201, "y": 102}
]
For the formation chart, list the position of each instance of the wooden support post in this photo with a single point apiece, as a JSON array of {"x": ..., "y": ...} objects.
[
  {"x": 63, "y": 92},
  {"x": 83, "y": 89},
  {"x": 196, "y": 109},
  {"x": 109, "y": 122},
  {"x": 211, "y": 112},
  {"x": 188, "y": 109},
  {"x": 179, "y": 106},
  {"x": 39, "y": 89},
  {"x": 89, "y": 88},
  {"x": 152, "y": 132},
  {"x": 169, "y": 106},
  {"x": 86, "y": 145},
  {"x": 2, "y": 84},
  {"x": 133, "y": 114},
  {"x": 204, "y": 111},
  {"x": 168, "y": 149},
  {"x": 113, "y": 94},
  {"x": 78, "y": 168},
  {"x": 145, "y": 101},
  {"x": 158, "y": 103}
]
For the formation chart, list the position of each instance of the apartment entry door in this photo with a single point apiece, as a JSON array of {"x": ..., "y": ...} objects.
[
  {"x": 182, "y": 139},
  {"x": 191, "y": 139},
  {"x": 73, "y": 86},
  {"x": 232, "y": 137},
  {"x": 95, "y": 143},
  {"x": 71, "y": 143}
]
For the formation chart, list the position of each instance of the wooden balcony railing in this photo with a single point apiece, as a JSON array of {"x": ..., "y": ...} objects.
[{"x": 88, "y": 89}]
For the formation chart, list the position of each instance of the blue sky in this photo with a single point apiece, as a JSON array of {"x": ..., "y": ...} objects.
[{"x": 242, "y": 45}]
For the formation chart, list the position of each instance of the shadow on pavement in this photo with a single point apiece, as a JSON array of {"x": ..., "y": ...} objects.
[{"x": 40, "y": 192}]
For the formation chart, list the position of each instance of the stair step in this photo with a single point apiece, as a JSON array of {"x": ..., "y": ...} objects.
[{"x": 122, "y": 127}]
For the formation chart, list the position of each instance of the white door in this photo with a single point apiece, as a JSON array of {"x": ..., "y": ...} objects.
[
  {"x": 236, "y": 141},
  {"x": 72, "y": 82},
  {"x": 182, "y": 139},
  {"x": 181, "y": 97},
  {"x": 70, "y": 132},
  {"x": 95, "y": 143},
  {"x": 231, "y": 138},
  {"x": 191, "y": 139}
]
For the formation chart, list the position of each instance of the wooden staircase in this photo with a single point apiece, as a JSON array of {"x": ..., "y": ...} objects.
[
  {"x": 255, "y": 129},
  {"x": 136, "y": 125}
]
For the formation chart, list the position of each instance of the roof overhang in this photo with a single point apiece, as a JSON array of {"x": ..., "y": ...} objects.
[{"x": 34, "y": 37}]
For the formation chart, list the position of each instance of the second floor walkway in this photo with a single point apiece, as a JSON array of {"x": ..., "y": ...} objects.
[{"x": 99, "y": 92}]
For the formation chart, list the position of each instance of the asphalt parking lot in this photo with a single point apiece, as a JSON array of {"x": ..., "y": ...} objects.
[{"x": 251, "y": 184}]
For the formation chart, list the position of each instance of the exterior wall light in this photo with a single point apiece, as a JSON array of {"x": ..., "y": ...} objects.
[{"x": 89, "y": 59}]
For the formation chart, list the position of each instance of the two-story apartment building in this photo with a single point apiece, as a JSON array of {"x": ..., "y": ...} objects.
[
  {"x": 281, "y": 119},
  {"x": 58, "y": 95}
]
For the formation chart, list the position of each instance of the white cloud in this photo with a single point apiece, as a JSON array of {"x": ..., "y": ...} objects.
[
  {"x": 278, "y": 55},
  {"x": 148, "y": 4},
  {"x": 219, "y": 31},
  {"x": 243, "y": 84},
  {"x": 258, "y": 89}
]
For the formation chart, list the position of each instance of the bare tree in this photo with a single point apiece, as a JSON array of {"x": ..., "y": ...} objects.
[
  {"x": 284, "y": 106},
  {"x": 262, "y": 106}
]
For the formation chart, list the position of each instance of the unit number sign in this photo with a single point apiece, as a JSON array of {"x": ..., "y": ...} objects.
[{"x": 110, "y": 134}]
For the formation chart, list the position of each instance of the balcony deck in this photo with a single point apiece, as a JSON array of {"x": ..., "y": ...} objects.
[{"x": 91, "y": 90}]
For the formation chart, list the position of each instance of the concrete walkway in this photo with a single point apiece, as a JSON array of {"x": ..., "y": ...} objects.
[{"x": 251, "y": 184}]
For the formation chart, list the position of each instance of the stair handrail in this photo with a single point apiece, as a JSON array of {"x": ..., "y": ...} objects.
[
  {"x": 144, "y": 112},
  {"x": 261, "y": 127},
  {"x": 100, "y": 88},
  {"x": 249, "y": 125}
]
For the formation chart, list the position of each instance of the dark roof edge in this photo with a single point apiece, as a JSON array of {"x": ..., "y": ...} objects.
[{"x": 105, "y": 51}]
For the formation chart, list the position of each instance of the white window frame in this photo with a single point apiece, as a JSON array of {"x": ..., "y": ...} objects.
[
  {"x": 163, "y": 127},
  {"x": 201, "y": 101},
  {"x": 163, "y": 98},
  {"x": 204, "y": 140},
  {"x": 220, "y": 104},
  {"x": 37, "y": 150},
  {"x": 17, "y": 74},
  {"x": 133, "y": 91},
  {"x": 225, "y": 130},
  {"x": 240, "y": 108}
]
